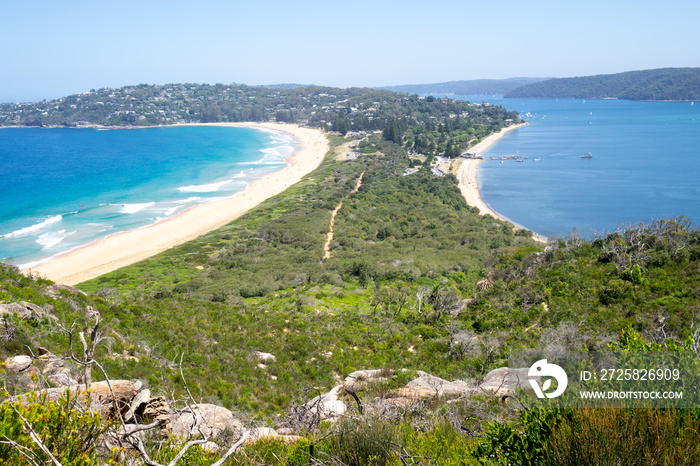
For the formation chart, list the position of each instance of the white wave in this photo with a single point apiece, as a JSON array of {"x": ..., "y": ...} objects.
[
  {"x": 203, "y": 188},
  {"x": 34, "y": 228},
  {"x": 169, "y": 211},
  {"x": 264, "y": 161},
  {"x": 48, "y": 240},
  {"x": 271, "y": 152},
  {"x": 133, "y": 208}
]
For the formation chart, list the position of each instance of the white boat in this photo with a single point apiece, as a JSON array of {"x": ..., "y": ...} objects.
[{"x": 586, "y": 156}]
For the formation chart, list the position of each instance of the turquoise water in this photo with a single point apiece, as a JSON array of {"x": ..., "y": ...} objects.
[
  {"x": 64, "y": 188},
  {"x": 645, "y": 164}
]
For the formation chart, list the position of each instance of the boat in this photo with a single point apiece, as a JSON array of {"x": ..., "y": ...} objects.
[
  {"x": 586, "y": 156},
  {"x": 537, "y": 159}
]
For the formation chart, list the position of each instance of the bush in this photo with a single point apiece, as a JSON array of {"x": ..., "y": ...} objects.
[
  {"x": 70, "y": 434},
  {"x": 360, "y": 442}
]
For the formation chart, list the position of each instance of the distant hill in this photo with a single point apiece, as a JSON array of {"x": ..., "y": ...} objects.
[
  {"x": 477, "y": 86},
  {"x": 659, "y": 84}
]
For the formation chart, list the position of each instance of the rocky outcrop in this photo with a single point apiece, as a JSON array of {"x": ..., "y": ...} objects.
[
  {"x": 427, "y": 385},
  {"x": 53, "y": 291},
  {"x": 46, "y": 368},
  {"x": 25, "y": 311},
  {"x": 18, "y": 363},
  {"x": 498, "y": 382},
  {"x": 208, "y": 419},
  {"x": 265, "y": 358},
  {"x": 505, "y": 381}
]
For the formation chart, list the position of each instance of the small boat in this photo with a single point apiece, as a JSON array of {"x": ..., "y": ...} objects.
[
  {"x": 586, "y": 156},
  {"x": 537, "y": 159}
]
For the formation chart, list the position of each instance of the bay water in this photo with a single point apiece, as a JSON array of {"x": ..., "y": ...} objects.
[
  {"x": 63, "y": 188},
  {"x": 645, "y": 164}
]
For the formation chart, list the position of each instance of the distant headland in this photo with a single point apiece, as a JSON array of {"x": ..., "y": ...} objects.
[{"x": 666, "y": 84}]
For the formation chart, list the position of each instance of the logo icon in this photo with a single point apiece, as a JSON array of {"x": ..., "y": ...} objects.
[{"x": 542, "y": 368}]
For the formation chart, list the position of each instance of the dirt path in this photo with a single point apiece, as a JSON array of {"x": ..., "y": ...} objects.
[{"x": 329, "y": 235}]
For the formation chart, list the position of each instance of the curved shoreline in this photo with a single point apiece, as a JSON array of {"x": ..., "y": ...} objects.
[
  {"x": 466, "y": 175},
  {"x": 122, "y": 249}
]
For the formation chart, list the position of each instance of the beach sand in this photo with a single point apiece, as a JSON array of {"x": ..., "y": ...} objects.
[
  {"x": 126, "y": 248},
  {"x": 466, "y": 174}
]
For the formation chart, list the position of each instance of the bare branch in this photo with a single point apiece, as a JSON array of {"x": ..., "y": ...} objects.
[
  {"x": 27, "y": 453},
  {"x": 233, "y": 448}
]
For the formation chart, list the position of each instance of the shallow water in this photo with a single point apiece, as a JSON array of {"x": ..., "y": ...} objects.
[{"x": 64, "y": 188}]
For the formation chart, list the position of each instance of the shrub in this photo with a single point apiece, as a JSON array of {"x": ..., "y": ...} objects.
[
  {"x": 70, "y": 434},
  {"x": 362, "y": 441}
]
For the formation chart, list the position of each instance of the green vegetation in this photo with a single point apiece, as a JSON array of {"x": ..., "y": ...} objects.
[
  {"x": 660, "y": 84},
  {"x": 70, "y": 436}
]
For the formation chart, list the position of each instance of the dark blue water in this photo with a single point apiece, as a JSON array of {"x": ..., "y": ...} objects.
[
  {"x": 645, "y": 164},
  {"x": 63, "y": 188}
]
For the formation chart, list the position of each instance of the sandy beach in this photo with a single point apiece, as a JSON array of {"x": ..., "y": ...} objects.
[
  {"x": 126, "y": 248},
  {"x": 466, "y": 174}
]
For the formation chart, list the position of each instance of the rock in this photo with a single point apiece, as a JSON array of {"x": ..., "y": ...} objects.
[
  {"x": 31, "y": 371},
  {"x": 328, "y": 405},
  {"x": 265, "y": 357},
  {"x": 33, "y": 308},
  {"x": 24, "y": 310},
  {"x": 62, "y": 379},
  {"x": 154, "y": 409},
  {"x": 211, "y": 419},
  {"x": 18, "y": 363},
  {"x": 141, "y": 398},
  {"x": 54, "y": 290},
  {"x": 12, "y": 308},
  {"x": 55, "y": 370},
  {"x": 504, "y": 380},
  {"x": 430, "y": 386},
  {"x": 101, "y": 396},
  {"x": 267, "y": 433},
  {"x": 44, "y": 353}
]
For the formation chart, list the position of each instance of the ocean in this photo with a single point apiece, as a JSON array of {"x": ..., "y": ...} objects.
[
  {"x": 645, "y": 164},
  {"x": 65, "y": 188}
]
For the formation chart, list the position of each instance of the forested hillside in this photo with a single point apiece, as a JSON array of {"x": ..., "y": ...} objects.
[
  {"x": 471, "y": 87},
  {"x": 681, "y": 84}
]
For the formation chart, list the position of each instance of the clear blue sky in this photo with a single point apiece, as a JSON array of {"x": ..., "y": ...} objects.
[{"x": 55, "y": 48}]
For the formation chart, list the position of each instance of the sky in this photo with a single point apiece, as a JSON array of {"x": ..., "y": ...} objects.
[{"x": 56, "y": 48}]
